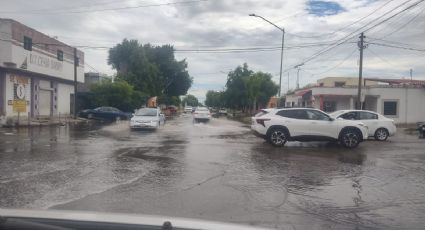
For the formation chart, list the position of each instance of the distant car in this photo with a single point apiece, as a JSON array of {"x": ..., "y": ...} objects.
[
  {"x": 201, "y": 113},
  {"x": 379, "y": 126},
  {"x": 278, "y": 126},
  {"x": 150, "y": 118},
  {"x": 222, "y": 111},
  {"x": 188, "y": 109},
  {"x": 172, "y": 109},
  {"x": 105, "y": 113}
]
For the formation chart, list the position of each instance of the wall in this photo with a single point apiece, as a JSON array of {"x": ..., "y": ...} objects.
[
  {"x": 45, "y": 63},
  {"x": 349, "y": 81},
  {"x": 5, "y": 34},
  {"x": 64, "y": 101},
  {"x": 334, "y": 91},
  {"x": 43, "y": 58},
  {"x": 411, "y": 112}
]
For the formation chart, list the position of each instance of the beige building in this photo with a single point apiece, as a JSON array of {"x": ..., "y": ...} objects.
[
  {"x": 36, "y": 73},
  {"x": 342, "y": 81},
  {"x": 399, "y": 99}
]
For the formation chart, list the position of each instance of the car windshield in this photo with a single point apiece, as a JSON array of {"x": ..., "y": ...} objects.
[
  {"x": 282, "y": 114},
  {"x": 147, "y": 112}
]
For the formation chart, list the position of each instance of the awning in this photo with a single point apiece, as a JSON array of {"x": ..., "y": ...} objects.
[{"x": 302, "y": 92}]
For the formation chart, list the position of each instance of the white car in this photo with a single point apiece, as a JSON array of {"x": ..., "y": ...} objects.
[
  {"x": 278, "y": 126},
  {"x": 379, "y": 126},
  {"x": 222, "y": 111},
  {"x": 150, "y": 118},
  {"x": 201, "y": 113},
  {"x": 187, "y": 109}
]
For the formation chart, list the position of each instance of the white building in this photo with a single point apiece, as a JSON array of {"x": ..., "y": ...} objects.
[
  {"x": 399, "y": 99},
  {"x": 36, "y": 73}
]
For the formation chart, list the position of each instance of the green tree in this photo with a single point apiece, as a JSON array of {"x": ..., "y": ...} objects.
[
  {"x": 150, "y": 69},
  {"x": 117, "y": 94},
  {"x": 236, "y": 94},
  {"x": 214, "y": 99},
  {"x": 246, "y": 89},
  {"x": 190, "y": 100}
]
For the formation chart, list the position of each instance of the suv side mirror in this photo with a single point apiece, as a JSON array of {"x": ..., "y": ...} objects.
[{"x": 331, "y": 119}]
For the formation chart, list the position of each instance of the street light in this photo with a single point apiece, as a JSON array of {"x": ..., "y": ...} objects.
[{"x": 281, "y": 53}]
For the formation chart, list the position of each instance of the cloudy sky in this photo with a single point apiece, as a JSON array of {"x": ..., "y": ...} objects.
[{"x": 201, "y": 29}]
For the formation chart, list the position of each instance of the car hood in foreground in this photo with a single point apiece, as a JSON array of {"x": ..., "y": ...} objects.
[{"x": 146, "y": 221}]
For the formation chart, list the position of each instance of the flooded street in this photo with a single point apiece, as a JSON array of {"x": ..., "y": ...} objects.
[{"x": 214, "y": 171}]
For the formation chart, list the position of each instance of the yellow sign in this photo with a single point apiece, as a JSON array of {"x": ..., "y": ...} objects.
[{"x": 20, "y": 106}]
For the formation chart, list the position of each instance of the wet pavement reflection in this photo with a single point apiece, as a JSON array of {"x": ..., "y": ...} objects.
[{"x": 214, "y": 171}]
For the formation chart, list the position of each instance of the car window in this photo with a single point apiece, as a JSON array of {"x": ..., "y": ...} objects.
[
  {"x": 316, "y": 115},
  {"x": 293, "y": 113},
  {"x": 349, "y": 116},
  {"x": 103, "y": 109},
  {"x": 368, "y": 116},
  {"x": 146, "y": 112}
]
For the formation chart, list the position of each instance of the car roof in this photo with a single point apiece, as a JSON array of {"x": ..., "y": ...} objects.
[{"x": 355, "y": 110}]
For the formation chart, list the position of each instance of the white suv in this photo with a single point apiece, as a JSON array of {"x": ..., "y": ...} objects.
[{"x": 278, "y": 126}]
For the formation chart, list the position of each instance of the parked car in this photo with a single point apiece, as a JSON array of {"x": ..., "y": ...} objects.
[
  {"x": 187, "y": 109},
  {"x": 278, "y": 126},
  {"x": 172, "y": 109},
  {"x": 222, "y": 112},
  {"x": 379, "y": 126},
  {"x": 150, "y": 118},
  {"x": 421, "y": 129},
  {"x": 201, "y": 113},
  {"x": 105, "y": 113}
]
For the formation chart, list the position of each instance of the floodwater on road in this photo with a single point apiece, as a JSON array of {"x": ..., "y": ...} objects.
[{"x": 214, "y": 171}]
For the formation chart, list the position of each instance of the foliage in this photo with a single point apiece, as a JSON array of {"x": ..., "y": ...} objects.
[
  {"x": 246, "y": 89},
  {"x": 152, "y": 70},
  {"x": 190, "y": 100},
  {"x": 215, "y": 99},
  {"x": 117, "y": 94},
  {"x": 167, "y": 100}
]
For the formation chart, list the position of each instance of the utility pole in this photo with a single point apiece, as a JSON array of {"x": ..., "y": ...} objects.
[
  {"x": 411, "y": 75},
  {"x": 298, "y": 74},
  {"x": 288, "y": 83},
  {"x": 75, "y": 83},
  {"x": 281, "y": 62},
  {"x": 298, "y": 78},
  {"x": 359, "y": 92}
]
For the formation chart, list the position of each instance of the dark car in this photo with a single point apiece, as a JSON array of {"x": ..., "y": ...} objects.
[{"x": 105, "y": 113}]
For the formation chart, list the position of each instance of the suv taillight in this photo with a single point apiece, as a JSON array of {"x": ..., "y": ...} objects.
[{"x": 261, "y": 121}]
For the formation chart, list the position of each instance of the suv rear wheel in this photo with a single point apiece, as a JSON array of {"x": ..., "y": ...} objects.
[
  {"x": 277, "y": 137},
  {"x": 350, "y": 138}
]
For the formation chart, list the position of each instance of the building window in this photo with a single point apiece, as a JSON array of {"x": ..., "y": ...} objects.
[
  {"x": 60, "y": 55},
  {"x": 27, "y": 43},
  {"x": 390, "y": 108},
  {"x": 329, "y": 106},
  {"x": 339, "y": 84},
  {"x": 321, "y": 84}
]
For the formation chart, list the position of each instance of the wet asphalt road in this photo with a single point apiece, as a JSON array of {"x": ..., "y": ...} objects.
[{"x": 214, "y": 171}]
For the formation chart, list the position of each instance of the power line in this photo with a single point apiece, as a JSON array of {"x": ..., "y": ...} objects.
[
  {"x": 77, "y": 7},
  {"x": 108, "y": 9},
  {"x": 394, "y": 15},
  {"x": 344, "y": 27},
  {"x": 379, "y": 57},
  {"x": 337, "y": 65},
  {"x": 404, "y": 25},
  {"x": 397, "y": 47},
  {"x": 349, "y": 36}
]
